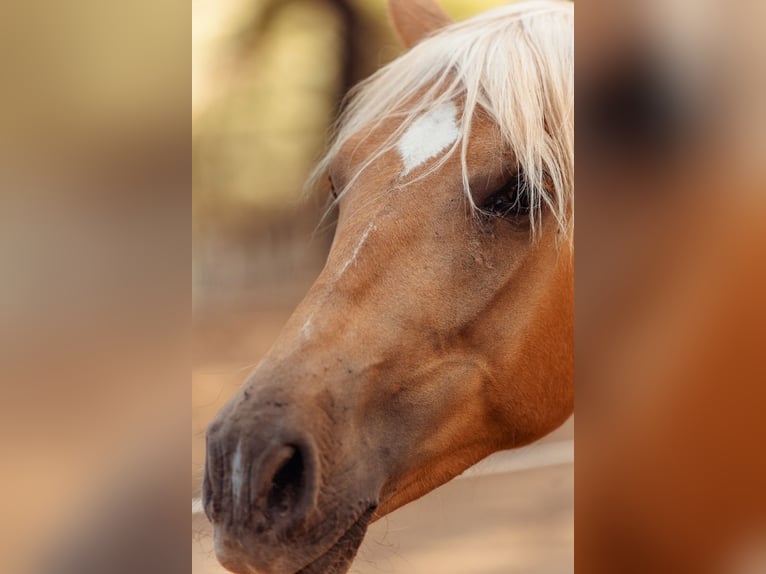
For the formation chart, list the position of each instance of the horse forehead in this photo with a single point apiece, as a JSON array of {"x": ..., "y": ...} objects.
[
  {"x": 425, "y": 140},
  {"x": 428, "y": 136}
]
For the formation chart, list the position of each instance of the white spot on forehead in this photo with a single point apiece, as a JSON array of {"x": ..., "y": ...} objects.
[{"x": 428, "y": 135}]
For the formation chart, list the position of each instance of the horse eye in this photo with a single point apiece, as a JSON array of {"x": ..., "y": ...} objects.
[{"x": 511, "y": 200}]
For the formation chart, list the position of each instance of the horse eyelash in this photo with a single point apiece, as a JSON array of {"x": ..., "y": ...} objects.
[
  {"x": 332, "y": 187},
  {"x": 511, "y": 189}
]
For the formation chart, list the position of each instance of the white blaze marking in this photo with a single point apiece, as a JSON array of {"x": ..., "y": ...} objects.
[
  {"x": 357, "y": 249},
  {"x": 428, "y": 135},
  {"x": 237, "y": 474},
  {"x": 307, "y": 329}
]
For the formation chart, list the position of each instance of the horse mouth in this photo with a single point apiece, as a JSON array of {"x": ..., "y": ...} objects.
[{"x": 337, "y": 559}]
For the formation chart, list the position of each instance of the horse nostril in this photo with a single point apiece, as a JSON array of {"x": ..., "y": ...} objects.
[
  {"x": 288, "y": 483},
  {"x": 285, "y": 483},
  {"x": 260, "y": 481}
]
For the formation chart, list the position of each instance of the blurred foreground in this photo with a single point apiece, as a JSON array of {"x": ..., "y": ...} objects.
[{"x": 670, "y": 314}]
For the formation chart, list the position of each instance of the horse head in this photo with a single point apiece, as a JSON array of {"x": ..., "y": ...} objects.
[{"x": 441, "y": 328}]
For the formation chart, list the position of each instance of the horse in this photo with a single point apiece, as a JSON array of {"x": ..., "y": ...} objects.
[{"x": 441, "y": 328}]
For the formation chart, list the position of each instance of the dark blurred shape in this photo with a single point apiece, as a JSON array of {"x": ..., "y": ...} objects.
[{"x": 636, "y": 111}]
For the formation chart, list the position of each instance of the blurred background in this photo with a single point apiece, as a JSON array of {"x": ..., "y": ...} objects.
[
  {"x": 94, "y": 297},
  {"x": 268, "y": 78},
  {"x": 267, "y": 81}
]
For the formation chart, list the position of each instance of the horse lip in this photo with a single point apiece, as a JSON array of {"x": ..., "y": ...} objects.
[
  {"x": 362, "y": 521},
  {"x": 241, "y": 563}
]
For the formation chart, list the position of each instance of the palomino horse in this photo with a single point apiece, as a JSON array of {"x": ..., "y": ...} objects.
[{"x": 441, "y": 328}]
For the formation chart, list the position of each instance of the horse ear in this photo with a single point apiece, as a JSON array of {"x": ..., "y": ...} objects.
[{"x": 415, "y": 19}]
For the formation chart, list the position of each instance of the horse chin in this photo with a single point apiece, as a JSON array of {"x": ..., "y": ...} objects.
[
  {"x": 338, "y": 558},
  {"x": 334, "y": 558}
]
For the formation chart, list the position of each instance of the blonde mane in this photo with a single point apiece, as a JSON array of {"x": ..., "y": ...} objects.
[{"x": 516, "y": 63}]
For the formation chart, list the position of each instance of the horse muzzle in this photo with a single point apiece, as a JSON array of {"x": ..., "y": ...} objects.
[{"x": 274, "y": 508}]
